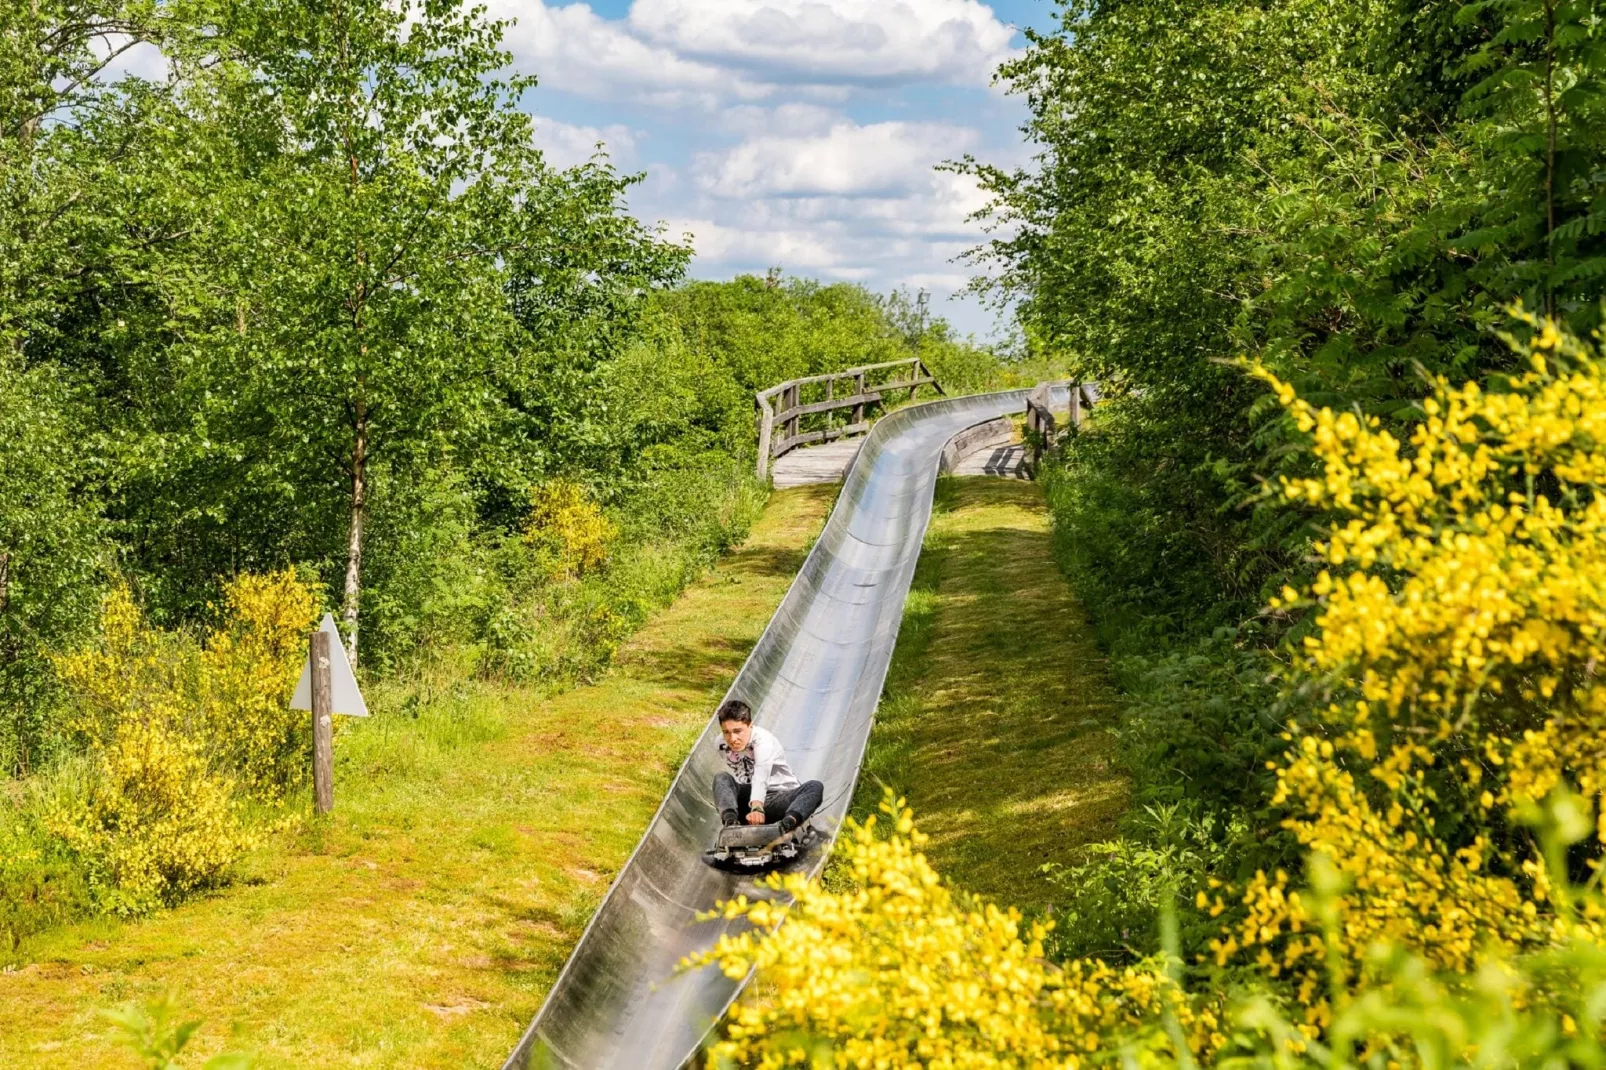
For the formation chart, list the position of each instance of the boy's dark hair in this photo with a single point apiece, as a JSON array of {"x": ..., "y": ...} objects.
[{"x": 735, "y": 710}]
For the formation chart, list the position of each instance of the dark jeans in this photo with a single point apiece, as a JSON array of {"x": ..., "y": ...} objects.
[{"x": 800, "y": 802}]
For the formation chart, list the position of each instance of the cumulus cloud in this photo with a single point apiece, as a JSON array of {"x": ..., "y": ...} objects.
[
  {"x": 753, "y": 150},
  {"x": 126, "y": 57},
  {"x": 567, "y": 144},
  {"x": 855, "y": 202},
  {"x": 796, "y": 117},
  {"x": 846, "y": 159},
  {"x": 955, "y": 41},
  {"x": 573, "y": 49},
  {"x": 680, "y": 53}
]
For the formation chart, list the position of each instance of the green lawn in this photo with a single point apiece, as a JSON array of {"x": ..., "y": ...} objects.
[
  {"x": 421, "y": 926},
  {"x": 997, "y": 714}
]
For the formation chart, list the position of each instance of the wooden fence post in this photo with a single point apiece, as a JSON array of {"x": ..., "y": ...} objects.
[
  {"x": 1076, "y": 403},
  {"x": 766, "y": 427},
  {"x": 323, "y": 724},
  {"x": 858, "y": 391}
]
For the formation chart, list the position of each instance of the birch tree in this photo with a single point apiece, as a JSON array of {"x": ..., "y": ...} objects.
[{"x": 384, "y": 159}]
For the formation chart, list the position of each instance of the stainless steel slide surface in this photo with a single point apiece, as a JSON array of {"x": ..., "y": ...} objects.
[{"x": 813, "y": 679}]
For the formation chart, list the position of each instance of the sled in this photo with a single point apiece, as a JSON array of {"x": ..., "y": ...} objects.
[{"x": 758, "y": 848}]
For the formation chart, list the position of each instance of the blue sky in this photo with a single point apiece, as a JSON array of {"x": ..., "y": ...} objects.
[{"x": 801, "y": 133}]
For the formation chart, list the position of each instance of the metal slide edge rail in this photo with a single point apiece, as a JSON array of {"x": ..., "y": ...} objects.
[{"x": 814, "y": 678}]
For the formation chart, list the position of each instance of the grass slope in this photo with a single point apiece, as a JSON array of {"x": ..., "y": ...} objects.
[
  {"x": 473, "y": 836},
  {"x": 996, "y": 722}
]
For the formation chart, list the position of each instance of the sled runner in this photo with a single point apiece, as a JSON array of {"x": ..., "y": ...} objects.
[{"x": 756, "y": 848}]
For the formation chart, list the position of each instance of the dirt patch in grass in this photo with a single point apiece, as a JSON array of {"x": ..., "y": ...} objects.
[
  {"x": 421, "y": 924},
  {"x": 998, "y": 713}
]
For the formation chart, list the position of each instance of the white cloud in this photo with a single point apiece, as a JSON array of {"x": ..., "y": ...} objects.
[
  {"x": 799, "y": 250},
  {"x": 847, "y": 159},
  {"x": 573, "y": 49},
  {"x": 856, "y": 202},
  {"x": 566, "y": 144},
  {"x": 680, "y": 53},
  {"x": 796, "y": 116},
  {"x": 745, "y": 134},
  {"x": 128, "y": 57},
  {"x": 956, "y": 41}
]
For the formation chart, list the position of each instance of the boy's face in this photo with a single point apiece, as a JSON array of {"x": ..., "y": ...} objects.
[{"x": 737, "y": 734}]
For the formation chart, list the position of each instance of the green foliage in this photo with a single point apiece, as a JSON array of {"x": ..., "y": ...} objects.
[
  {"x": 1540, "y": 125},
  {"x": 42, "y": 884},
  {"x": 154, "y": 1033},
  {"x": 52, "y": 550},
  {"x": 762, "y": 331},
  {"x": 1116, "y": 895},
  {"x": 1351, "y": 193}
]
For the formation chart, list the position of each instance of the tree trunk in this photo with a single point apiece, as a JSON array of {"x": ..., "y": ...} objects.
[{"x": 359, "y": 500}]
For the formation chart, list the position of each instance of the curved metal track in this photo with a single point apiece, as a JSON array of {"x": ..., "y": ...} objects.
[{"x": 813, "y": 679}]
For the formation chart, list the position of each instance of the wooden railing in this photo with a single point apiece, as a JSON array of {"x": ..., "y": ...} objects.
[
  {"x": 1043, "y": 426},
  {"x": 783, "y": 409}
]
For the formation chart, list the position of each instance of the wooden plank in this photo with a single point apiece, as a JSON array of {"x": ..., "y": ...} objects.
[
  {"x": 807, "y": 438},
  {"x": 1007, "y": 460},
  {"x": 766, "y": 426},
  {"x": 868, "y": 398},
  {"x": 846, "y": 373},
  {"x": 817, "y": 464}
]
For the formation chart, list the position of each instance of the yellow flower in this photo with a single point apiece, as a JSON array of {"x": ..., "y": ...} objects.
[{"x": 900, "y": 971}]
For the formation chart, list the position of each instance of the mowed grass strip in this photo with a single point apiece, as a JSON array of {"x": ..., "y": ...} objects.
[
  {"x": 996, "y": 720},
  {"x": 423, "y": 923}
]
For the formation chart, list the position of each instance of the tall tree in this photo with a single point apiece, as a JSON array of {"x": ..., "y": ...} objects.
[{"x": 382, "y": 161}]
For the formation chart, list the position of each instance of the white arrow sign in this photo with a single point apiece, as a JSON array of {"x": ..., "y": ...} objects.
[{"x": 343, "y": 694}]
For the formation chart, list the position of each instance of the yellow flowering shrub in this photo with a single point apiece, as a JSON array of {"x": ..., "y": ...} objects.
[
  {"x": 176, "y": 731},
  {"x": 566, "y": 523},
  {"x": 157, "y": 823},
  {"x": 1458, "y": 629},
  {"x": 900, "y": 972},
  {"x": 250, "y": 666},
  {"x": 132, "y": 674}
]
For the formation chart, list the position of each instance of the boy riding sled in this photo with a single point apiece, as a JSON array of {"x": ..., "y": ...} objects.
[{"x": 757, "y": 782}]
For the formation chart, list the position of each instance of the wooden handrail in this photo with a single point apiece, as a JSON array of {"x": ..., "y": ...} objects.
[
  {"x": 846, "y": 374},
  {"x": 1044, "y": 425},
  {"x": 791, "y": 408}
]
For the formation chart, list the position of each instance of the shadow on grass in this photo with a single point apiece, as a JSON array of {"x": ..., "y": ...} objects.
[
  {"x": 997, "y": 716},
  {"x": 705, "y": 665},
  {"x": 711, "y": 661}
]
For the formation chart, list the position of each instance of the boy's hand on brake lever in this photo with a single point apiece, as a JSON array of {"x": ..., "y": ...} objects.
[{"x": 756, "y": 817}]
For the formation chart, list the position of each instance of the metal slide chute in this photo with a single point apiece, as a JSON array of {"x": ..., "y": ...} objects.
[{"x": 813, "y": 679}]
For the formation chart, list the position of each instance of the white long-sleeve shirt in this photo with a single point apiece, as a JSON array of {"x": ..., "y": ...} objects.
[{"x": 762, "y": 764}]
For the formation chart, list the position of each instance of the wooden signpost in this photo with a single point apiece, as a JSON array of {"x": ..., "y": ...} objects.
[
  {"x": 323, "y": 726},
  {"x": 327, "y": 687}
]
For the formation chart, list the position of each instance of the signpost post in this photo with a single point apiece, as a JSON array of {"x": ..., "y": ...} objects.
[
  {"x": 323, "y": 726},
  {"x": 327, "y": 687}
]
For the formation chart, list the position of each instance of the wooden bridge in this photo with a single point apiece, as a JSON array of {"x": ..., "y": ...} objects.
[
  {"x": 801, "y": 439},
  {"x": 801, "y": 412}
]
